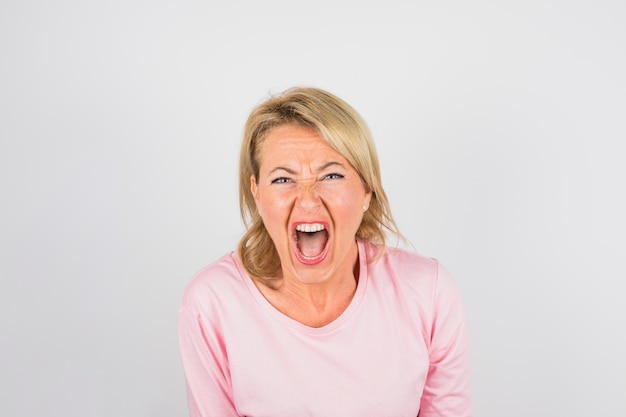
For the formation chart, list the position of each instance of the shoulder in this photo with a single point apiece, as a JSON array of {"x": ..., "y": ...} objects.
[
  {"x": 401, "y": 261},
  {"x": 410, "y": 271},
  {"x": 411, "y": 262},
  {"x": 214, "y": 284}
]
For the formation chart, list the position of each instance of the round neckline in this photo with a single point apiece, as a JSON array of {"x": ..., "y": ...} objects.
[{"x": 296, "y": 325}]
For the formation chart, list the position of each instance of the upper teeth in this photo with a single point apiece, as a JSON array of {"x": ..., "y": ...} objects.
[{"x": 314, "y": 227}]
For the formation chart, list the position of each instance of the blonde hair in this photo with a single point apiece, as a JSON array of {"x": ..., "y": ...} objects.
[{"x": 344, "y": 130}]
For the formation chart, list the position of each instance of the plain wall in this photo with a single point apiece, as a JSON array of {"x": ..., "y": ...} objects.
[{"x": 500, "y": 127}]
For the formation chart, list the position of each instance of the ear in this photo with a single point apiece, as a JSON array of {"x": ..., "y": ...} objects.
[
  {"x": 368, "y": 197},
  {"x": 254, "y": 188}
]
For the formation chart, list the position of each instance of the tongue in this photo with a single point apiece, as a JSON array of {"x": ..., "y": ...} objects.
[{"x": 311, "y": 244}]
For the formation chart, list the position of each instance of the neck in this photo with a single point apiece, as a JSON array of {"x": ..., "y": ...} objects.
[{"x": 314, "y": 303}]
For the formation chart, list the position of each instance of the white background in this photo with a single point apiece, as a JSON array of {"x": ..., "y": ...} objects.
[{"x": 500, "y": 127}]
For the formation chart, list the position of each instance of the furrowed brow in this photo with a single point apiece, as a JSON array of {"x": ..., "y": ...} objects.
[
  {"x": 330, "y": 164},
  {"x": 287, "y": 170},
  {"x": 293, "y": 172}
]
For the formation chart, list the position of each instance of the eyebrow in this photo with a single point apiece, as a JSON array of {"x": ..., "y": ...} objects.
[
  {"x": 330, "y": 164},
  {"x": 287, "y": 170},
  {"x": 320, "y": 169}
]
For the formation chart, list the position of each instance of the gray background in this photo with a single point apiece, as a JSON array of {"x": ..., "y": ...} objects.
[{"x": 499, "y": 126}]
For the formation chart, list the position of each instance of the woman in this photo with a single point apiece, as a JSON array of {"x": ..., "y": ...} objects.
[{"x": 313, "y": 315}]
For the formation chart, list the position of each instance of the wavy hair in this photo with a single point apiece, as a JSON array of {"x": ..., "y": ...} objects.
[{"x": 344, "y": 130}]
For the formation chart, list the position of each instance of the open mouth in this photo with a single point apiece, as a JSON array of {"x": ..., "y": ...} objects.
[{"x": 311, "y": 242}]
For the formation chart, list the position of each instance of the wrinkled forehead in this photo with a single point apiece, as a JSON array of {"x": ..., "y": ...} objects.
[
  {"x": 258, "y": 151},
  {"x": 296, "y": 143}
]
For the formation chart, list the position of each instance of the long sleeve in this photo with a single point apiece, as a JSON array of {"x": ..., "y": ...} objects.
[
  {"x": 447, "y": 392},
  {"x": 205, "y": 362},
  {"x": 401, "y": 336}
]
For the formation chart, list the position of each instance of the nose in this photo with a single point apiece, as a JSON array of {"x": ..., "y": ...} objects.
[{"x": 307, "y": 197}]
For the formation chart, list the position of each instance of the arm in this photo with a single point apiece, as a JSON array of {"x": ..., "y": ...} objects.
[
  {"x": 447, "y": 391},
  {"x": 206, "y": 364}
]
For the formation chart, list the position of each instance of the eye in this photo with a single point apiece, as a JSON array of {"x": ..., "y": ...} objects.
[
  {"x": 281, "y": 180},
  {"x": 333, "y": 176}
]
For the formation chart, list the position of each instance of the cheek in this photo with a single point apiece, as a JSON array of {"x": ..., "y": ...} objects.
[
  {"x": 272, "y": 210},
  {"x": 349, "y": 207}
]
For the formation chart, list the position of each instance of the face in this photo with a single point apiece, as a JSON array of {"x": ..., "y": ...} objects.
[{"x": 311, "y": 201}]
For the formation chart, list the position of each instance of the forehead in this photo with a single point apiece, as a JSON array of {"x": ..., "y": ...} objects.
[{"x": 290, "y": 142}]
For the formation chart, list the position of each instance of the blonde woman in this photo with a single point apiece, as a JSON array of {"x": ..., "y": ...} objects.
[{"x": 314, "y": 315}]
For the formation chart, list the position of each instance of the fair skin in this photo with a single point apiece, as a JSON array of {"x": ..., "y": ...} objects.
[{"x": 306, "y": 186}]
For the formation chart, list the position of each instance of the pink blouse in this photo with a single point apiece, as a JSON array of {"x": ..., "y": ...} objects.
[{"x": 399, "y": 349}]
